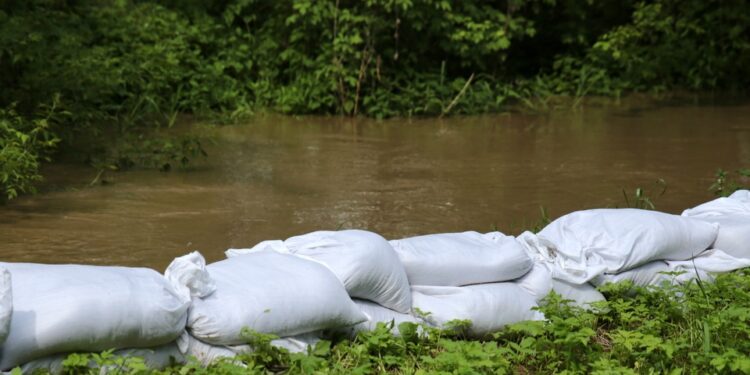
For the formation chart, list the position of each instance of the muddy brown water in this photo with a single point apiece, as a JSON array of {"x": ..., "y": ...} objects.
[{"x": 279, "y": 176}]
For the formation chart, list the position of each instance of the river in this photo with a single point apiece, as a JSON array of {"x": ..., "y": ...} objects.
[{"x": 278, "y": 176}]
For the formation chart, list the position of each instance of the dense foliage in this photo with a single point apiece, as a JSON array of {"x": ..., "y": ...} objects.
[
  {"x": 118, "y": 66},
  {"x": 698, "y": 328},
  {"x": 23, "y": 145}
]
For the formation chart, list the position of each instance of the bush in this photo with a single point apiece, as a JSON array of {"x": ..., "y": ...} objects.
[
  {"x": 23, "y": 146},
  {"x": 122, "y": 67}
]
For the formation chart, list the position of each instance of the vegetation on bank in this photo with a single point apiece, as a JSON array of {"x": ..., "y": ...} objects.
[
  {"x": 698, "y": 328},
  {"x": 97, "y": 73}
]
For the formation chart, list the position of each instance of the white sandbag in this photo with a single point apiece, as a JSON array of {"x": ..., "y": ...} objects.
[
  {"x": 706, "y": 265},
  {"x": 719, "y": 207},
  {"x": 455, "y": 259},
  {"x": 537, "y": 282},
  {"x": 74, "y": 308},
  {"x": 188, "y": 273},
  {"x": 583, "y": 295},
  {"x": 712, "y": 261},
  {"x": 734, "y": 234},
  {"x": 592, "y": 242},
  {"x": 364, "y": 262},
  {"x": 298, "y": 343},
  {"x": 656, "y": 273},
  {"x": 157, "y": 358},
  {"x": 6, "y": 303},
  {"x": 206, "y": 353},
  {"x": 377, "y": 314},
  {"x": 489, "y": 307},
  {"x": 733, "y": 217},
  {"x": 269, "y": 292},
  {"x": 741, "y": 195}
]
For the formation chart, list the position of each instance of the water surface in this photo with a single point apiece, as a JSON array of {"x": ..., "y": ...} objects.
[{"x": 279, "y": 176}]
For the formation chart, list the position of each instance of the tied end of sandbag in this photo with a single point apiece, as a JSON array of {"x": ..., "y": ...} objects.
[{"x": 188, "y": 274}]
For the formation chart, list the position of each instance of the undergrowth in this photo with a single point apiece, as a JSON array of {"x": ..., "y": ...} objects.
[
  {"x": 119, "y": 68},
  {"x": 696, "y": 328}
]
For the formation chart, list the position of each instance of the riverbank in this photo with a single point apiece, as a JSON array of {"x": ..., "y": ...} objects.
[{"x": 72, "y": 70}]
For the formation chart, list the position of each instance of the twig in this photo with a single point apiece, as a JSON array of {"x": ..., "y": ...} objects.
[
  {"x": 458, "y": 96},
  {"x": 96, "y": 179}
]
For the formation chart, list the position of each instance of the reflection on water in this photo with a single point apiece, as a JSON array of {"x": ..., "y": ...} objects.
[{"x": 280, "y": 176}]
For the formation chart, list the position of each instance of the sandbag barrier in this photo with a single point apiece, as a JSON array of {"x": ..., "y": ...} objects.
[{"x": 345, "y": 282}]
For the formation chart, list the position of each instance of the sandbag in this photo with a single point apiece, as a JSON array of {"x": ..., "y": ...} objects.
[
  {"x": 654, "y": 273},
  {"x": 363, "y": 261},
  {"x": 188, "y": 273},
  {"x": 732, "y": 205},
  {"x": 582, "y": 295},
  {"x": 537, "y": 282},
  {"x": 157, "y": 358},
  {"x": 267, "y": 292},
  {"x": 732, "y": 214},
  {"x": 455, "y": 259},
  {"x": 734, "y": 234},
  {"x": 377, "y": 314},
  {"x": 489, "y": 307},
  {"x": 741, "y": 195},
  {"x": 74, "y": 308},
  {"x": 298, "y": 343},
  {"x": 592, "y": 242},
  {"x": 657, "y": 273},
  {"x": 206, "y": 354},
  {"x": 6, "y": 304}
]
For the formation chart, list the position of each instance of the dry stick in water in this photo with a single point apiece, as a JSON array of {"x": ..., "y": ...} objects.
[
  {"x": 458, "y": 96},
  {"x": 96, "y": 179}
]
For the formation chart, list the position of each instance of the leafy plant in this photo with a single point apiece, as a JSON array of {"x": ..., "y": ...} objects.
[
  {"x": 23, "y": 146},
  {"x": 643, "y": 200},
  {"x": 726, "y": 183},
  {"x": 117, "y": 67}
]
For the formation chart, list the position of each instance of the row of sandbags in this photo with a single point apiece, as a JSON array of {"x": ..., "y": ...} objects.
[
  {"x": 348, "y": 281},
  {"x": 308, "y": 286},
  {"x": 344, "y": 281},
  {"x": 492, "y": 279},
  {"x": 646, "y": 247}
]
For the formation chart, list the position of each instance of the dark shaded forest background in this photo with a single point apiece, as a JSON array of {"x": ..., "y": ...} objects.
[{"x": 80, "y": 73}]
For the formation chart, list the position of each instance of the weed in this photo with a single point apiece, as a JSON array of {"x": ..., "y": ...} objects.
[
  {"x": 726, "y": 183},
  {"x": 643, "y": 200}
]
